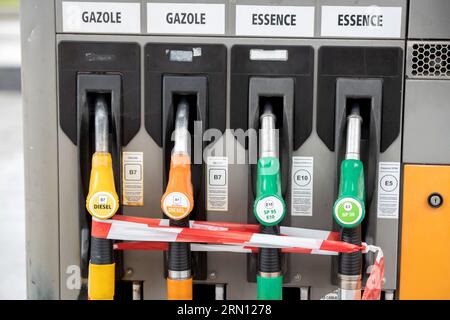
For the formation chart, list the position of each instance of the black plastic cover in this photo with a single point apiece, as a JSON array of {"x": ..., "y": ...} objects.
[
  {"x": 104, "y": 58},
  {"x": 384, "y": 63},
  {"x": 165, "y": 59},
  {"x": 299, "y": 66}
]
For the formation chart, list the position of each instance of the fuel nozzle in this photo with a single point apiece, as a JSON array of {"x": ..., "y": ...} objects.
[
  {"x": 102, "y": 202},
  {"x": 268, "y": 139},
  {"x": 177, "y": 203},
  {"x": 178, "y": 200},
  {"x": 353, "y": 145},
  {"x": 349, "y": 208},
  {"x": 269, "y": 207}
]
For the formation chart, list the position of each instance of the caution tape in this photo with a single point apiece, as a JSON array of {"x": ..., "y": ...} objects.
[
  {"x": 142, "y": 229},
  {"x": 154, "y": 234}
]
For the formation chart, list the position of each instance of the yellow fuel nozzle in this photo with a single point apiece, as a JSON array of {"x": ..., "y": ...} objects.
[{"x": 102, "y": 200}]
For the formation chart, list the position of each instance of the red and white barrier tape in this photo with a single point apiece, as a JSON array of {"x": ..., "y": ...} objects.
[
  {"x": 374, "y": 283},
  {"x": 154, "y": 234},
  {"x": 163, "y": 246},
  {"x": 132, "y": 229}
]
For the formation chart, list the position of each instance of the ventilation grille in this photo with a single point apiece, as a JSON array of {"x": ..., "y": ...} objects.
[{"x": 429, "y": 60}]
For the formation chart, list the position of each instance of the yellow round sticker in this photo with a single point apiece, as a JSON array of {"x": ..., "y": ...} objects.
[{"x": 102, "y": 205}]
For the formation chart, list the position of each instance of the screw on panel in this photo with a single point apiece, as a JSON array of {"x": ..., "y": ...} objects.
[
  {"x": 129, "y": 272},
  {"x": 212, "y": 275}
]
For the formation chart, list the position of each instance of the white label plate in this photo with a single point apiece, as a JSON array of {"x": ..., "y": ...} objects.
[
  {"x": 185, "y": 18},
  {"x": 217, "y": 184},
  {"x": 367, "y": 22},
  {"x": 388, "y": 190},
  {"x": 302, "y": 186},
  {"x": 133, "y": 178},
  {"x": 101, "y": 17},
  {"x": 276, "y": 21}
]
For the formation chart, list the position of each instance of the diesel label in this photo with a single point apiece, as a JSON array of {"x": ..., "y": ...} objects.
[
  {"x": 186, "y": 18},
  {"x": 101, "y": 17}
]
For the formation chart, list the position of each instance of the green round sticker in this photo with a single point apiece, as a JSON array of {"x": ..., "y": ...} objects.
[
  {"x": 348, "y": 212},
  {"x": 269, "y": 210}
]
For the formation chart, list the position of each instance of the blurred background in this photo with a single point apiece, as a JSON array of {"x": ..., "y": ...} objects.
[{"x": 12, "y": 212}]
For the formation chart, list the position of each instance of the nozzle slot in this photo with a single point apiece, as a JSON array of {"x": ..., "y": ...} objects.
[
  {"x": 364, "y": 107},
  {"x": 93, "y": 89},
  {"x": 192, "y": 92},
  {"x": 276, "y": 95},
  {"x": 366, "y": 95},
  {"x": 358, "y": 113}
]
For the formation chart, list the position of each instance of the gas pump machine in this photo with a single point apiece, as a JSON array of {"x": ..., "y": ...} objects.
[{"x": 248, "y": 149}]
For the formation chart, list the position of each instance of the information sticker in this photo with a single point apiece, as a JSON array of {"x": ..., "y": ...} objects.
[
  {"x": 101, "y": 17},
  {"x": 388, "y": 190},
  {"x": 217, "y": 184},
  {"x": 133, "y": 178},
  {"x": 302, "y": 186}
]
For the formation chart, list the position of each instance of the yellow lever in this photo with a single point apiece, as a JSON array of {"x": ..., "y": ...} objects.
[{"x": 102, "y": 201}]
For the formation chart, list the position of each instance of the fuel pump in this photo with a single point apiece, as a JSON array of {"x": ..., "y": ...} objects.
[
  {"x": 176, "y": 203},
  {"x": 102, "y": 202},
  {"x": 269, "y": 207},
  {"x": 349, "y": 209}
]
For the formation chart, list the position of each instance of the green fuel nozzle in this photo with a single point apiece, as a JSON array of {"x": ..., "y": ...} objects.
[
  {"x": 269, "y": 207},
  {"x": 349, "y": 208}
]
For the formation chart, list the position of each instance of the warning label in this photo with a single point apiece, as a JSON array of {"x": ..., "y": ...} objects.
[
  {"x": 302, "y": 186},
  {"x": 133, "y": 178},
  {"x": 217, "y": 184},
  {"x": 388, "y": 190}
]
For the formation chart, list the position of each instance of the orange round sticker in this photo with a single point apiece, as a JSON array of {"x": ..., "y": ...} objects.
[{"x": 176, "y": 205}]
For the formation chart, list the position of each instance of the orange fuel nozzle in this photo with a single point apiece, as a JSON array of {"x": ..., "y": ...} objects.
[{"x": 178, "y": 200}]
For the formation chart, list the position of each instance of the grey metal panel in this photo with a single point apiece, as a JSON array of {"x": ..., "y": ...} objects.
[
  {"x": 428, "y": 60},
  {"x": 426, "y": 121},
  {"x": 313, "y": 270},
  {"x": 429, "y": 19},
  {"x": 40, "y": 148}
]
